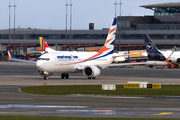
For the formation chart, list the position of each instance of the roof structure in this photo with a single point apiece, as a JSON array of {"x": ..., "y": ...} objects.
[{"x": 177, "y": 4}]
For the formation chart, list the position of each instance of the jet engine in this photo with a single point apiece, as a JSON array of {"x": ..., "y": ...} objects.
[
  {"x": 91, "y": 71},
  {"x": 44, "y": 73},
  {"x": 174, "y": 60}
]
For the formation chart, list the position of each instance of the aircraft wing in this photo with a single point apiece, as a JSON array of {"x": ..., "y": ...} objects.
[
  {"x": 18, "y": 60},
  {"x": 124, "y": 64},
  {"x": 26, "y": 61}
]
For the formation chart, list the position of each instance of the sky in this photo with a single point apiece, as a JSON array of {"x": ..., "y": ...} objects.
[{"x": 51, "y": 14}]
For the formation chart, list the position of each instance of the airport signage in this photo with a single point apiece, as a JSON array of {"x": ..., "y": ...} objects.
[
  {"x": 131, "y": 85},
  {"x": 155, "y": 86}
]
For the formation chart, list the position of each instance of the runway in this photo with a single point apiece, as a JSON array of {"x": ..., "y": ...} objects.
[{"x": 15, "y": 102}]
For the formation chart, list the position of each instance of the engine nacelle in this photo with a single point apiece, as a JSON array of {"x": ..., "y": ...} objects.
[
  {"x": 44, "y": 73},
  {"x": 174, "y": 60},
  {"x": 91, "y": 71}
]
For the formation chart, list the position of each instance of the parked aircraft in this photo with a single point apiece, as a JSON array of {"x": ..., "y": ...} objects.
[
  {"x": 90, "y": 63},
  {"x": 171, "y": 57}
]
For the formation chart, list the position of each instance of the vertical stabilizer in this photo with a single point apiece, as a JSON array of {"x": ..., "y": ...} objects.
[
  {"x": 44, "y": 46},
  {"x": 150, "y": 46},
  {"x": 108, "y": 47},
  {"x": 9, "y": 55},
  {"x": 152, "y": 50}
]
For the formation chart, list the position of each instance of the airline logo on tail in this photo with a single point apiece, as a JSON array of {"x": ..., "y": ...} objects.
[
  {"x": 108, "y": 47},
  {"x": 44, "y": 46},
  {"x": 152, "y": 50},
  {"x": 149, "y": 46}
]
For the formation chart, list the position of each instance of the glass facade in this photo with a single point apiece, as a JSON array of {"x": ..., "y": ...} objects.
[
  {"x": 95, "y": 36},
  {"x": 167, "y": 11},
  {"x": 56, "y": 36},
  {"x": 124, "y": 24},
  {"x": 152, "y": 36},
  {"x": 158, "y": 27}
]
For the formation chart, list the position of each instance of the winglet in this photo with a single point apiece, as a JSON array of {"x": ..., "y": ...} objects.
[{"x": 9, "y": 55}]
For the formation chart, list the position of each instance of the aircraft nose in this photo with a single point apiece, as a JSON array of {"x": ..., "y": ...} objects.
[{"x": 39, "y": 65}]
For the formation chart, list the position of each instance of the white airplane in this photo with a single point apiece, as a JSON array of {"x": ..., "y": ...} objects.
[
  {"x": 46, "y": 49},
  {"x": 90, "y": 63}
]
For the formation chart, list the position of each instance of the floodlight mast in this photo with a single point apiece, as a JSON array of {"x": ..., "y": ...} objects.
[
  {"x": 120, "y": 26},
  {"x": 14, "y": 23},
  {"x": 70, "y": 22},
  {"x": 9, "y": 19}
]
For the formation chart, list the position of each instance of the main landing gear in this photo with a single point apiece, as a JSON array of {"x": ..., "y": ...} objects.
[
  {"x": 64, "y": 75},
  {"x": 91, "y": 77}
]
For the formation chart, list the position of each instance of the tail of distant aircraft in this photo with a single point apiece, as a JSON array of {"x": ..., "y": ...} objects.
[
  {"x": 44, "y": 46},
  {"x": 152, "y": 50},
  {"x": 9, "y": 55},
  {"x": 108, "y": 47}
]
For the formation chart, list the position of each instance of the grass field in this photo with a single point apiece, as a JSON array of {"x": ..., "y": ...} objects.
[
  {"x": 73, "y": 118},
  {"x": 166, "y": 90}
]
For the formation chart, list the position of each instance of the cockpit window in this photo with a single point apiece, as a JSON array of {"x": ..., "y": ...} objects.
[{"x": 47, "y": 59}]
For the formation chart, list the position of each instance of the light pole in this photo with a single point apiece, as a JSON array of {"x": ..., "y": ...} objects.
[
  {"x": 66, "y": 20},
  {"x": 14, "y": 25},
  {"x": 9, "y": 19},
  {"x": 120, "y": 26},
  {"x": 115, "y": 7},
  {"x": 70, "y": 22}
]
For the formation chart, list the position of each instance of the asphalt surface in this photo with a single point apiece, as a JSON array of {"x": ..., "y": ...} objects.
[{"x": 13, "y": 76}]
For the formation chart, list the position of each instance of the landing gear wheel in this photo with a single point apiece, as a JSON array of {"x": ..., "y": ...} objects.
[
  {"x": 67, "y": 76},
  {"x": 89, "y": 77},
  {"x": 93, "y": 77},
  {"x": 45, "y": 78},
  {"x": 62, "y": 75}
]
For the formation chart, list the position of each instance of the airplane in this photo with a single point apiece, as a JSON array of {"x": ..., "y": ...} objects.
[
  {"x": 89, "y": 63},
  {"x": 170, "y": 57},
  {"x": 46, "y": 49}
]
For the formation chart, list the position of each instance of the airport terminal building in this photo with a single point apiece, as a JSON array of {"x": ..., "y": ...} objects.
[{"x": 163, "y": 27}]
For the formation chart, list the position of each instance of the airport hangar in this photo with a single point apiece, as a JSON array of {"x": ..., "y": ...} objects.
[{"x": 163, "y": 27}]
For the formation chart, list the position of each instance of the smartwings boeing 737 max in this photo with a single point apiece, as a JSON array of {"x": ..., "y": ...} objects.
[
  {"x": 46, "y": 49},
  {"x": 90, "y": 63}
]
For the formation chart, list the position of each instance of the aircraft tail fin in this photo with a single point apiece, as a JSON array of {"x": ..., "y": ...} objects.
[
  {"x": 44, "y": 46},
  {"x": 153, "y": 52},
  {"x": 149, "y": 44},
  {"x": 9, "y": 54},
  {"x": 108, "y": 47}
]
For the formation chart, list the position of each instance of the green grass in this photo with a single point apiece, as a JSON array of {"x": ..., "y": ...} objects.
[
  {"x": 73, "y": 118},
  {"x": 170, "y": 90}
]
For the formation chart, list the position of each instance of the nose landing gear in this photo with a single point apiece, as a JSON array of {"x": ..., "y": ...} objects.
[{"x": 45, "y": 78}]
